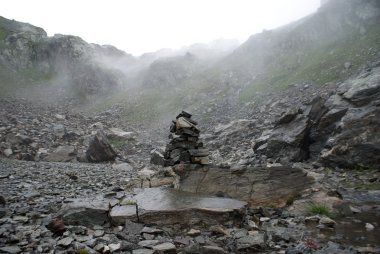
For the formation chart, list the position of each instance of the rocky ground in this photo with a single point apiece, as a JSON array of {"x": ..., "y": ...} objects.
[
  {"x": 54, "y": 198},
  {"x": 46, "y": 132},
  {"x": 33, "y": 194}
]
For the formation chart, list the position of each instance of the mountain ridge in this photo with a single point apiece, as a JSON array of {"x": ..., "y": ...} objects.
[{"x": 326, "y": 46}]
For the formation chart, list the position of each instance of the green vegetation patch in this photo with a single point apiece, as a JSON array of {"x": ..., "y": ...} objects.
[
  {"x": 3, "y": 34},
  {"x": 319, "y": 209},
  {"x": 33, "y": 74},
  {"x": 319, "y": 64}
]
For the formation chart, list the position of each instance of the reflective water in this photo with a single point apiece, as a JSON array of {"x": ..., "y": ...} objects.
[
  {"x": 351, "y": 228},
  {"x": 166, "y": 199}
]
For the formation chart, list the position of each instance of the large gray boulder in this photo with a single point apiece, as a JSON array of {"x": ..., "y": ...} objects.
[
  {"x": 342, "y": 131},
  {"x": 257, "y": 186},
  {"x": 353, "y": 124},
  {"x": 100, "y": 149},
  {"x": 357, "y": 144},
  {"x": 289, "y": 140},
  {"x": 87, "y": 212},
  {"x": 169, "y": 206},
  {"x": 363, "y": 90}
]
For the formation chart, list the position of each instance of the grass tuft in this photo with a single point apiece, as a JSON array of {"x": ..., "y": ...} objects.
[{"x": 319, "y": 209}]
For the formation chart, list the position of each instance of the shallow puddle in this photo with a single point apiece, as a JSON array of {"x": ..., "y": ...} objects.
[
  {"x": 166, "y": 199},
  {"x": 351, "y": 229}
]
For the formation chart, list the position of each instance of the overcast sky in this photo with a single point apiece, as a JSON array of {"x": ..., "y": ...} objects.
[{"x": 141, "y": 26}]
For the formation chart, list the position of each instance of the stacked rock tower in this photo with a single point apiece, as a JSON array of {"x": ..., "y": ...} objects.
[{"x": 184, "y": 146}]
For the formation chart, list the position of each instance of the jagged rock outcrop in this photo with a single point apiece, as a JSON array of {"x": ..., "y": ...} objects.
[
  {"x": 341, "y": 131},
  {"x": 77, "y": 67},
  {"x": 355, "y": 142},
  {"x": 289, "y": 140},
  {"x": 100, "y": 149}
]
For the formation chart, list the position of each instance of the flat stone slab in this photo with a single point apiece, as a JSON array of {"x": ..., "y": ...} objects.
[
  {"x": 166, "y": 199},
  {"x": 85, "y": 212},
  {"x": 160, "y": 206},
  {"x": 165, "y": 206},
  {"x": 257, "y": 186},
  {"x": 119, "y": 214}
]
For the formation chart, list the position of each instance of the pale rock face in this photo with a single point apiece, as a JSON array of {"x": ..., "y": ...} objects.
[{"x": 62, "y": 58}]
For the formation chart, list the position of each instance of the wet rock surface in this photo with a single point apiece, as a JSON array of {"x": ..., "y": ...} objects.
[
  {"x": 100, "y": 149},
  {"x": 168, "y": 221},
  {"x": 323, "y": 125},
  {"x": 52, "y": 203},
  {"x": 258, "y": 186},
  {"x": 168, "y": 206}
]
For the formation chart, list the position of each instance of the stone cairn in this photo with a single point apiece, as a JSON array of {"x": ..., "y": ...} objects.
[{"x": 184, "y": 146}]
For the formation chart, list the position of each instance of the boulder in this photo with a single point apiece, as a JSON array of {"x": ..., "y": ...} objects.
[
  {"x": 165, "y": 206},
  {"x": 62, "y": 154},
  {"x": 320, "y": 133},
  {"x": 358, "y": 141},
  {"x": 290, "y": 140},
  {"x": 315, "y": 109},
  {"x": 363, "y": 90},
  {"x": 116, "y": 133},
  {"x": 353, "y": 138},
  {"x": 251, "y": 242},
  {"x": 257, "y": 185},
  {"x": 287, "y": 116},
  {"x": 86, "y": 212},
  {"x": 157, "y": 158},
  {"x": 7, "y": 152},
  {"x": 100, "y": 149}
]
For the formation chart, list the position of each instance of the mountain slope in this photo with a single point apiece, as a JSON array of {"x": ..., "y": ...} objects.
[{"x": 327, "y": 46}]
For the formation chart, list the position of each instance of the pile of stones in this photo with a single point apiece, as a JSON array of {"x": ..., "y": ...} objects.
[{"x": 184, "y": 146}]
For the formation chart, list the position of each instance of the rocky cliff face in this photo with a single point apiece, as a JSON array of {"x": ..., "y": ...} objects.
[
  {"x": 336, "y": 125},
  {"x": 31, "y": 56}
]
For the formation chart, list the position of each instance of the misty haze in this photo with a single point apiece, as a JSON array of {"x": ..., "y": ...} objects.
[{"x": 159, "y": 127}]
